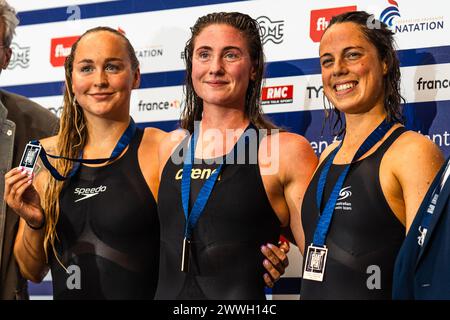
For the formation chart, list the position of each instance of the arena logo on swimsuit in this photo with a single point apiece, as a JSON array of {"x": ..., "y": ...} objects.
[
  {"x": 197, "y": 174},
  {"x": 320, "y": 19}
]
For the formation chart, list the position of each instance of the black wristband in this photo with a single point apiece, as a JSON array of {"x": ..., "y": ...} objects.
[{"x": 37, "y": 228}]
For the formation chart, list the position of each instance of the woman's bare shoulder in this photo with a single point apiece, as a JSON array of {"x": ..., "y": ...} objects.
[{"x": 50, "y": 144}]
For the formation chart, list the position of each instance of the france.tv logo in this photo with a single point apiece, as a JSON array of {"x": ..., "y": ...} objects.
[{"x": 388, "y": 14}]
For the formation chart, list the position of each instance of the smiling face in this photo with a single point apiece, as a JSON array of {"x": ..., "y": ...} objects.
[
  {"x": 352, "y": 72},
  {"x": 221, "y": 66},
  {"x": 102, "y": 77}
]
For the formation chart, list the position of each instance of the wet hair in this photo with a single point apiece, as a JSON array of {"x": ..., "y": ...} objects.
[
  {"x": 71, "y": 137},
  {"x": 249, "y": 28},
  {"x": 379, "y": 35},
  {"x": 10, "y": 20}
]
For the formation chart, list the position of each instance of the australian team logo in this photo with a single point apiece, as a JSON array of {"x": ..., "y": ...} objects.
[
  {"x": 344, "y": 203},
  {"x": 344, "y": 193},
  {"x": 388, "y": 14}
]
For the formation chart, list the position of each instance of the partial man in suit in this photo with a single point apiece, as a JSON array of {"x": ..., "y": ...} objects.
[
  {"x": 21, "y": 120},
  {"x": 422, "y": 269}
]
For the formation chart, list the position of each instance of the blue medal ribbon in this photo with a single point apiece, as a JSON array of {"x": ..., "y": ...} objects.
[
  {"x": 426, "y": 220},
  {"x": 205, "y": 192},
  {"x": 324, "y": 223},
  {"x": 123, "y": 142}
]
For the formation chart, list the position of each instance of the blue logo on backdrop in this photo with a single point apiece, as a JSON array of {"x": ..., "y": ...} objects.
[{"x": 388, "y": 14}]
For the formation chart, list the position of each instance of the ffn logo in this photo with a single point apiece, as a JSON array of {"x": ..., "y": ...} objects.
[
  {"x": 60, "y": 49},
  {"x": 321, "y": 18},
  {"x": 390, "y": 13}
]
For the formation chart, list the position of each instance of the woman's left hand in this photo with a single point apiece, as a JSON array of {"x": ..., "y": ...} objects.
[{"x": 275, "y": 263}]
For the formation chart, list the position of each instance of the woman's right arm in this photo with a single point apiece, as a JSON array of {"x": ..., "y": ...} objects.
[
  {"x": 29, "y": 252},
  {"x": 23, "y": 195}
]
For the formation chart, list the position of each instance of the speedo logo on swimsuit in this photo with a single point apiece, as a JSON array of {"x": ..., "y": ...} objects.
[{"x": 86, "y": 193}]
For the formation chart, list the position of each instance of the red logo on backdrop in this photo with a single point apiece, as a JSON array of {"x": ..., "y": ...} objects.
[
  {"x": 60, "y": 49},
  {"x": 277, "y": 95},
  {"x": 321, "y": 18}
]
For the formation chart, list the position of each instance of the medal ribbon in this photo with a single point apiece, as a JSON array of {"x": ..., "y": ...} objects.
[
  {"x": 205, "y": 192},
  {"x": 123, "y": 142}
]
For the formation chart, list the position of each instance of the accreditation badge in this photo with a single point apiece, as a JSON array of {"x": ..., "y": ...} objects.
[
  {"x": 30, "y": 157},
  {"x": 314, "y": 264}
]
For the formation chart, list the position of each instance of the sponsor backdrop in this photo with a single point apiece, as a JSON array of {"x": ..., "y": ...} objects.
[{"x": 290, "y": 30}]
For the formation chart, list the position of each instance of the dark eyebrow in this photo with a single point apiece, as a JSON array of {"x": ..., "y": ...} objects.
[
  {"x": 232, "y": 48},
  {"x": 106, "y": 60},
  {"x": 86, "y": 61},
  {"x": 113, "y": 59},
  {"x": 345, "y": 50},
  {"x": 224, "y": 49},
  {"x": 325, "y": 54},
  {"x": 350, "y": 48},
  {"x": 204, "y": 48}
]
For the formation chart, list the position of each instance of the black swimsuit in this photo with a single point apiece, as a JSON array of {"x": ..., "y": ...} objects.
[
  {"x": 364, "y": 237},
  {"x": 109, "y": 233},
  {"x": 226, "y": 261}
]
